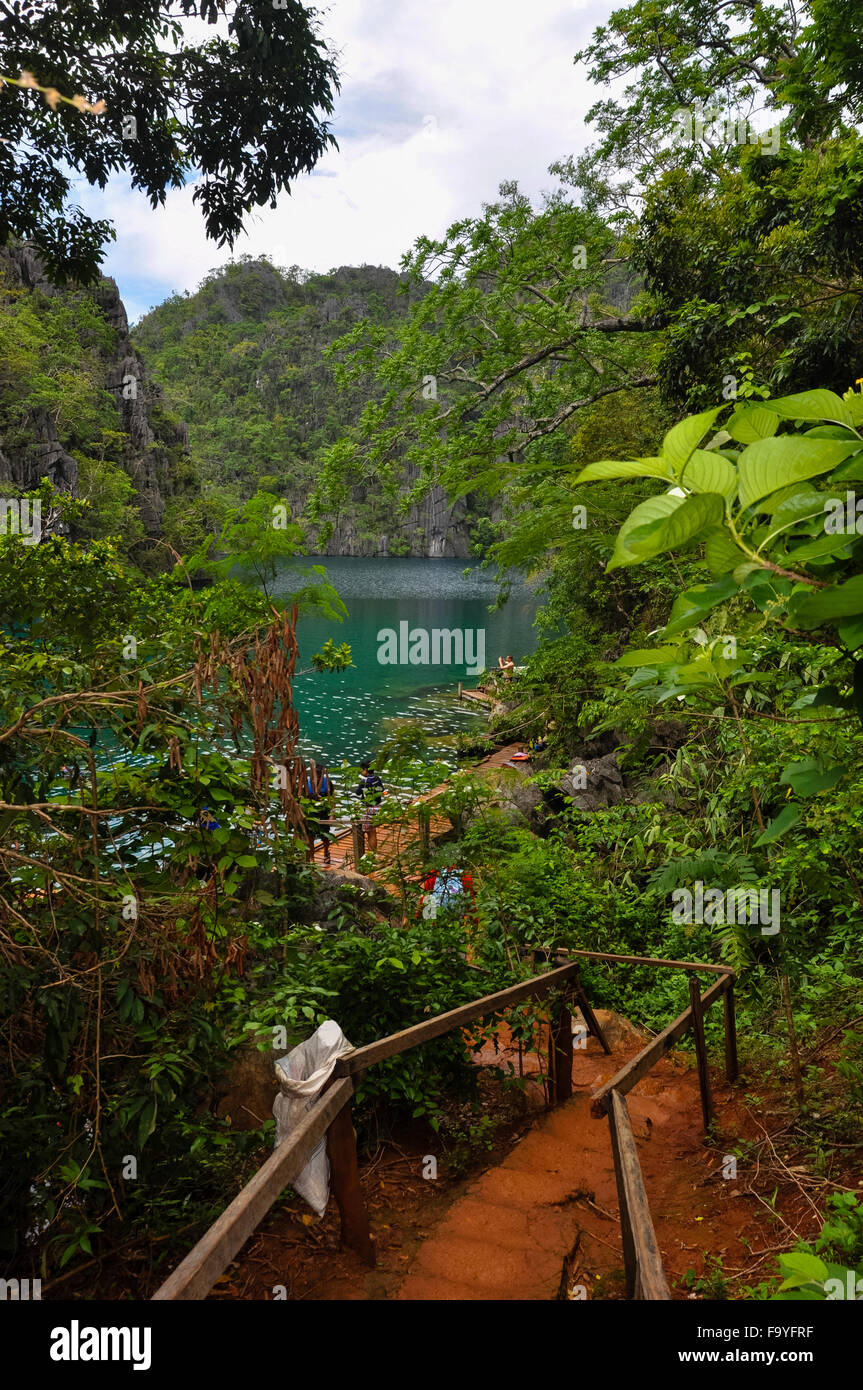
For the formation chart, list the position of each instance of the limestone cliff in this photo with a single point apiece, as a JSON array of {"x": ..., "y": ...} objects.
[
  {"x": 245, "y": 358},
  {"x": 32, "y": 444}
]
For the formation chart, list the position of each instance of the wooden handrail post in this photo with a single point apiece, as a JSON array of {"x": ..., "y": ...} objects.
[
  {"x": 359, "y": 841},
  {"x": 560, "y": 1055},
  {"x": 590, "y": 1019},
  {"x": 342, "y": 1149},
  {"x": 730, "y": 1036},
  {"x": 630, "y": 1074},
  {"x": 700, "y": 1051}
]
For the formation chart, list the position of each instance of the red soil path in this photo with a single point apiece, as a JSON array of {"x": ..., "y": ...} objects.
[
  {"x": 554, "y": 1198},
  {"x": 545, "y": 1220},
  {"x": 548, "y": 1209}
]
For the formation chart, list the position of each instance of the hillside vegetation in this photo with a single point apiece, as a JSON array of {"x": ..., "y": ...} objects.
[
  {"x": 244, "y": 361},
  {"x": 643, "y": 390}
]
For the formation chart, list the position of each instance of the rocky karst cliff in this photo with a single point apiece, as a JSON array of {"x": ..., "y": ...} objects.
[
  {"x": 245, "y": 360},
  {"x": 38, "y": 440}
]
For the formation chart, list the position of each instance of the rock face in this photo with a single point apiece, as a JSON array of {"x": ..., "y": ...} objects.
[
  {"x": 268, "y": 334},
  {"x": 339, "y": 888},
  {"x": 435, "y": 529},
  {"x": 154, "y": 453},
  {"x": 524, "y": 805},
  {"x": 594, "y": 783}
]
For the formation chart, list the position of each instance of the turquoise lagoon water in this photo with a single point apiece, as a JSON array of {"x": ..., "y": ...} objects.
[{"x": 347, "y": 715}]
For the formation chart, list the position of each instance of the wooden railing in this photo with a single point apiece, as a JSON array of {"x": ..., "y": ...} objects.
[
  {"x": 331, "y": 1116},
  {"x": 645, "y": 1277}
]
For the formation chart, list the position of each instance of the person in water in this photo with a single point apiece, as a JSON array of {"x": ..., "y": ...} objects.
[
  {"x": 321, "y": 794},
  {"x": 370, "y": 790}
]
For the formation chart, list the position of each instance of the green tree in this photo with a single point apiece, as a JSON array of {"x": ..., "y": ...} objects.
[
  {"x": 525, "y": 326},
  {"x": 242, "y": 110}
]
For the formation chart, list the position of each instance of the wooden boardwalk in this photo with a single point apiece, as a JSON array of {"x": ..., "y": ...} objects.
[{"x": 394, "y": 840}]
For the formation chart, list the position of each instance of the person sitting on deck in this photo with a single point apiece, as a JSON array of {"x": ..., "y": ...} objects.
[
  {"x": 321, "y": 793},
  {"x": 370, "y": 790}
]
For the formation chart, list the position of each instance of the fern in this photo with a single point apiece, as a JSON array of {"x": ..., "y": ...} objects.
[{"x": 721, "y": 868}]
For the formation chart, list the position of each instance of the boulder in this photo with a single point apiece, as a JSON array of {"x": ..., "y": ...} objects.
[
  {"x": 523, "y": 804},
  {"x": 593, "y": 783},
  {"x": 339, "y": 887},
  {"x": 617, "y": 1029}
]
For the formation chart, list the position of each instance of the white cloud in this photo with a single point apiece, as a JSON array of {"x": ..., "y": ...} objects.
[{"x": 440, "y": 102}]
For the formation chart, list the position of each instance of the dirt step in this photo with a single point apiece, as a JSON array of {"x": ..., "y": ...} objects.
[{"x": 554, "y": 1198}]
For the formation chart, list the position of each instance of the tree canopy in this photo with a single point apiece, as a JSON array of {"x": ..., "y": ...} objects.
[{"x": 241, "y": 110}]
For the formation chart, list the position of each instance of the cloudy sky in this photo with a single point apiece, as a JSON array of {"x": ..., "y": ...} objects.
[{"x": 441, "y": 100}]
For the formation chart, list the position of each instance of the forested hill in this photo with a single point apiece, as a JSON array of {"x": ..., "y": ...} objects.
[{"x": 242, "y": 362}]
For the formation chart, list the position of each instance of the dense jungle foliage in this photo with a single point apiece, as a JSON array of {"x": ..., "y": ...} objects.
[{"x": 648, "y": 386}]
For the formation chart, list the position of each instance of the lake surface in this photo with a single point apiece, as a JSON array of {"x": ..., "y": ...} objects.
[{"x": 347, "y": 715}]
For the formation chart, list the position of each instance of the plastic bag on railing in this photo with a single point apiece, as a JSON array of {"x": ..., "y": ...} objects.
[{"x": 301, "y": 1075}]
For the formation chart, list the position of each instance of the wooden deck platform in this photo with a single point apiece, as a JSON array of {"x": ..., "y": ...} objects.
[{"x": 393, "y": 840}]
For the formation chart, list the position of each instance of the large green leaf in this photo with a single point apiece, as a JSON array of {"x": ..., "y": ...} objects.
[
  {"x": 819, "y": 549},
  {"x": 685, "y": 437},
  {"x": 830, "y": 432},
  {"x": 751, "y": 422},
  {"x": 708, "y": 471},
  {"x": 851, "y": 633},
  {"x": 693, "y": 604},
  {"x": 659, "y": 656},
  {"x": 721, "y": 554},
  {"x": 626, "y": 468},
  {"x": 678, "y": 528},
  {"x": 791, "y": 505},
  {"x": 808, "y": 778},
  {"x": 850, "y": 472},
  {"x": 810, "y": 610},
  {"x": 811, "y": 405},
  {"x": 783, "y": 822},
  {"x": 653, "y": 509},
  {"x": 771, "y": 464},
  {"x": 801, "y": 1268}
]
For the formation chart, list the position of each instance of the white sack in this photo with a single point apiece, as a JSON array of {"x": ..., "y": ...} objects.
[{"x": 301, "y": 1075}]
